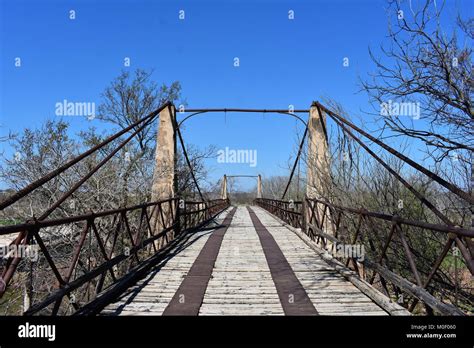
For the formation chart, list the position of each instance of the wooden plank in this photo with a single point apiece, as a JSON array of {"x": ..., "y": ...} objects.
[
  {"x": 165, "y": 280},
  {"x": 316, "y": 282},
  {"x": 188, "y": 298},
  {"x": 293, "y": 297},
  {"x": 241, "y": 281}
]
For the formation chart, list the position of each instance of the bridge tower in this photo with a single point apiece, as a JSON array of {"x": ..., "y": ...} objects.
[
  {"x": 164, "y": 184},
  {"x": 224, "y": 193},
  {"x": 318, "y": 178},
  {"x": 259, "y": 186}
]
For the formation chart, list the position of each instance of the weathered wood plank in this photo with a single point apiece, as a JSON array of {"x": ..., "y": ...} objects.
[
  {"x": 163, "y": 282},
  {"x": 301, "y": 261},
  {"x": 241, "y": 282},
  {"x": 241, "y": 269}
]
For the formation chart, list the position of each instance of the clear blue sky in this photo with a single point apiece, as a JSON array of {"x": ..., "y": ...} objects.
[{"x": 282, "y": 61}]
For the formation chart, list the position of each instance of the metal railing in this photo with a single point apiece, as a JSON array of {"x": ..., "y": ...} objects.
[
  {"x": 82, "y": 255},
  {"x": 288, "y": 211},
  {"x": 332, "y": 227},
  {"x": 194, "y": 214}
]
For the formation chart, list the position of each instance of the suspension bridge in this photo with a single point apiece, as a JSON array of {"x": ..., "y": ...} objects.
[{"x": 173, "y": 256}]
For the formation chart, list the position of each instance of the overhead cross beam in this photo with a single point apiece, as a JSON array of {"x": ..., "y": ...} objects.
[
  {"x": 288, "y": 112},
  {"x": 243, "y": 176}
]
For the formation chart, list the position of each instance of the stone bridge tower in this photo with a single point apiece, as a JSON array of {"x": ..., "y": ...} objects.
[
  {"x": 318, "y": 179},
  {"x": 164, "y": 184}
]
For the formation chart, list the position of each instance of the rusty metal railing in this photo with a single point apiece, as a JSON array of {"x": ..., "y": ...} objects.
[
  {"x": 288, "y": 211},
  {"x": 102, "y": 248},
  {"x": 384, "y": 234},
  {"x": 81, "y": 255},
  {"x": 194, "y": 213},
  {"x": 330, "y": 226},
  {"x": 23, "y": 238}
]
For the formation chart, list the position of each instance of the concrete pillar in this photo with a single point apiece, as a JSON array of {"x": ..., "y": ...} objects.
[
  {"x": 259, "y": 186},
  {"x": 317, "y": 179},
  {"x": 164, "y": 184},
  {"x": 224, "y": 193}
]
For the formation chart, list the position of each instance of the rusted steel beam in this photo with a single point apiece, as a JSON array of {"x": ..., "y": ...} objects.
[
  {"x": 129, "y": 233},
  {"x": 48, "y": 257},
  {"x": 318, "y": 231},
  {"x": 55, "y": 222},
  {"x": 188, "y": 162},
  {"x": 91, "y": 172},
  {"x": 300, "y": 150},
  {"x": 435, "y": 227},
  {"x": 418, "y": 290},
  {"x": 354, "y": 239},
  {"x": 453, "y": 188},
  {"x": 387, "y": 243},
  {"x": 102, "y": 248},
  {"x": 149, "y": 229},
  {"x": 12, "y": 263},
  {"x": 77, "y": 251},
  {"x": 280, "y": 208},
  {"x": 245, "y": 110},
  {"x": 34, "y": 185},
  {"x": 242, "y": 176},
  {"x": 414, "y": 290},
  {"x": 110, "y": 262},
  {"x": 438, "y": 262},
  {"x": 409, "y": 256},
  {"x": 417, "y": 194},
  {"x": 291, "y": 113},
  {"x": 16, "y": 242},
  {"x": 465, "y": 253}
]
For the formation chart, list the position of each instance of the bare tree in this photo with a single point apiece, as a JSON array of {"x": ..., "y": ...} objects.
[
  {"x": 197, "y": 157},
  {"x": 422, "y": 63},
  {"x": 37, "y": 152},
  {"x": 125, "y": 101},
  {"x": 358, "y": 180},
  {"x": 426, "y": 63},
  {"x": 129, "y": 98}
]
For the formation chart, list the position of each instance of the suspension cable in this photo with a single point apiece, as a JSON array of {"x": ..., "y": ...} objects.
[
  {"x": 188, "y": 162},
  {"x": 453, "y": 188},
  {"x": 417, "y": 194},
  {"x": 296, "y": 163},
  {"x": 34, "y": 185},
  {"x": 95, "y": 169}
]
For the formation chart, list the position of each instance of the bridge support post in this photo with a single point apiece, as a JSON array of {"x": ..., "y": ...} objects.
[
  {"x": 224, "y": 193},
  {"x": 318, "y": 178},
  {"x": 259, "y": 186},
  {"x": 164, "y": 184}
]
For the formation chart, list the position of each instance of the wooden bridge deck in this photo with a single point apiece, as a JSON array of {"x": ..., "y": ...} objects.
[{"x": 244, "y": 266}]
